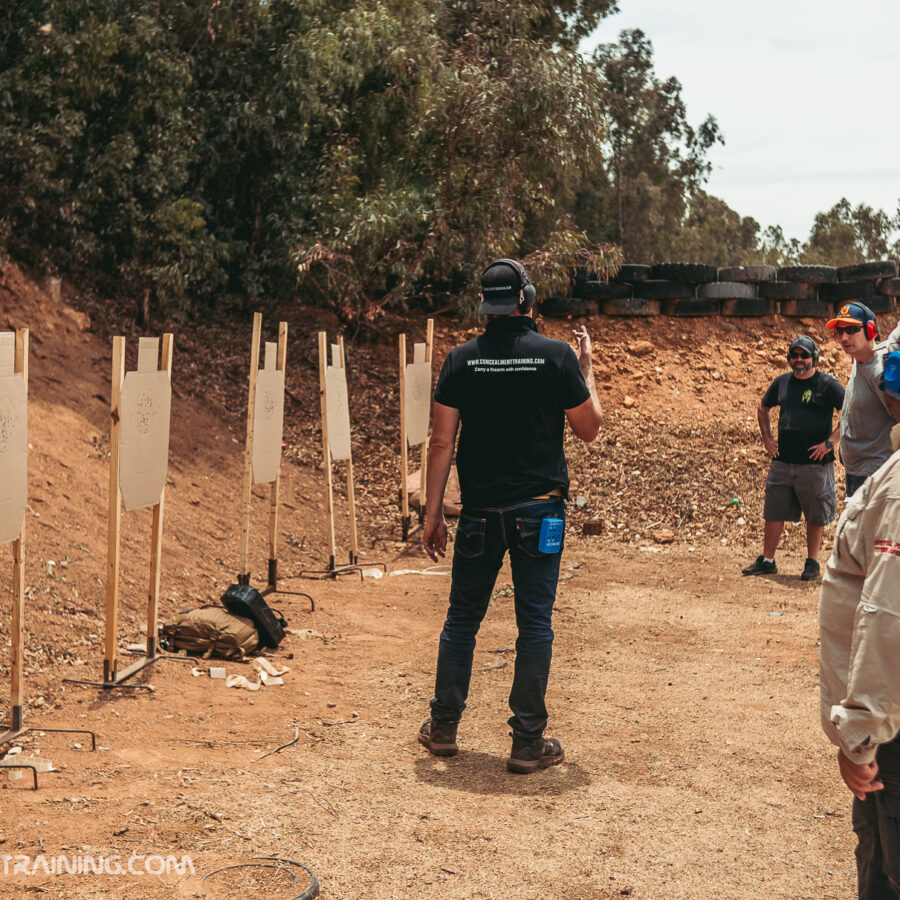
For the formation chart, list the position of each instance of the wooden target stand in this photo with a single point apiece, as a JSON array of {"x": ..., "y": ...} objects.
[
  {"x": 140, "y": 412},
  {"x": 13, "y": 494},
  {"x": 336, "y": 447},
  {"x": 262, "y": 451},
  {"x": 415, "y": 410}
]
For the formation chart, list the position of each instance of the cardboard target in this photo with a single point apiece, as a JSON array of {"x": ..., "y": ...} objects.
[
  {"x": 144, "y": 436},
  {"x": 268, "y": 420},
  {"x": 337, "y": 407},
  {"x": 418, "y": 402},
  {"x": 7, "y": 353},
  {"x": 13, "y": 452}
]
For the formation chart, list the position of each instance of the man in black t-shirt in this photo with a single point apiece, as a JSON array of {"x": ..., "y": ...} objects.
[
  {"x": 509, "y": 393},
  {"x": 801, "y": 474}
]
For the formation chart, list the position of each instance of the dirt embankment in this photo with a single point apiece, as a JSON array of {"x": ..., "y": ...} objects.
[{"x": 673, "y": 678}]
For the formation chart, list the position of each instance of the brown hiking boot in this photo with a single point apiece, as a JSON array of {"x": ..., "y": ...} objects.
[
  {"x": 438, "y": 737},
  {"x": 529, "y": 755}
]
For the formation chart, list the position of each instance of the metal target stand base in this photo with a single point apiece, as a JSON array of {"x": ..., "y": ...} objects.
[
  {"x": 405, "y": 531},
  {"x": 272, "y": 586},
  {"x": 115, "y": 679},
  {"x": 14, "y": 365},
  {"x": 18, "y": 729},
  {"x": 335, "y": 571}
]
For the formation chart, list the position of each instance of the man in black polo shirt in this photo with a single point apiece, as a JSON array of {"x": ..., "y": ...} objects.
[
  {"x": 511, "y": 391},
  {"x": 801, "y": 474}
]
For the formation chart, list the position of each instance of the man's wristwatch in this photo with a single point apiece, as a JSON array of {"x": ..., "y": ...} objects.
[{"x": 828, "y": 443}]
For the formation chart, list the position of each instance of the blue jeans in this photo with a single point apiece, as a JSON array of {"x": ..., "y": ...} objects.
[
  {"x": 876, "y": 821},
  {"x": 482, "y": 538}
]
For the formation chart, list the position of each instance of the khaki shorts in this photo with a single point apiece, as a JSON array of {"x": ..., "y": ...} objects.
[{"x": 795, "y": 489}]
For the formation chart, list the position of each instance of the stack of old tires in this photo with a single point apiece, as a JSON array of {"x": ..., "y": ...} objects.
[{"x": 693, "y": 289}]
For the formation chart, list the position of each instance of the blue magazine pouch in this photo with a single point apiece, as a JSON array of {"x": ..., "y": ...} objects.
[{"x": 550, "y": 538}]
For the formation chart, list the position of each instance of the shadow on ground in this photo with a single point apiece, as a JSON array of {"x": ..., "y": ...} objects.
[{"x": 475, "y": 772}]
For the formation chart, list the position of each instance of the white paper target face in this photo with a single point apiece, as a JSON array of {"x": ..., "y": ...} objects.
[
  {"x": 144, "y": 438},
  {"x": 337, "y": 409},
  {"x": 418, "y": 402},
  {"x": 13, "y": 456},
  {"x": 268, "y": 425}
]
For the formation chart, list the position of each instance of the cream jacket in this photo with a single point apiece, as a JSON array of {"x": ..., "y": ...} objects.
[{"x": 859, "y": 619}]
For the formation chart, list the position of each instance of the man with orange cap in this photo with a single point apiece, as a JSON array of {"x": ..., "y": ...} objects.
[{"x": 865, "y": 419}]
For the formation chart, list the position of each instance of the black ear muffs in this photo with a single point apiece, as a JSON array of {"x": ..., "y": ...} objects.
[
  {"x": 529, "y": 295},
  {"x": 527, "y": 291}
]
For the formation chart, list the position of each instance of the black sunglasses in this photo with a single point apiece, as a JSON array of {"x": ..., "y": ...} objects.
[
  {"x": 800, "y": 354},
  {"x": 847, "y": 329}
]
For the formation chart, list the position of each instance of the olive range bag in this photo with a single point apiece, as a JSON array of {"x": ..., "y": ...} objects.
[{"x": 210, "y": 631}]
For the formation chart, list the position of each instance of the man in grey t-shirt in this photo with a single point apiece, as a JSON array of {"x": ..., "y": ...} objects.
[{"x": 865, "y": 420}]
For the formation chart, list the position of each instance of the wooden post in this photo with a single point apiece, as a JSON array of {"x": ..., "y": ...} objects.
[
  {"x": 115, "y": 511},
  {"x": 18, "y": 611},
  {"x": 243, "y": 564},
  {"x": 351, "y": 494},
  {"x": 281, "y": 365},
  {"x": 329, "y": 494},
  {"x": 165, "y": 365},
  {"x": 423, "y": 491},
  {"x": 404, "y": 461}
]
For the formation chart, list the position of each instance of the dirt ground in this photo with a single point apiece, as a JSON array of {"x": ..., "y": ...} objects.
[{"x": 685, "y": 695}]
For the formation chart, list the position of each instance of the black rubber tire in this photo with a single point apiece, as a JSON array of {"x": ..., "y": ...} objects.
[
  {"x": 579, "y": 275},
  {"x": 632, "y": 272},
  {"x": 879, "y": 303},
  {"x": 842, "y": 291},
  {"x": 890, "y": 287},
  {"x": 663, "y": 290},
  {"x": 727, "y": 290},
  {"x": 631, "y": 306},
  {"x": 567, "y": 306},
  {"x": 747, "y": 274},
  {"x": 600, "y": 290},
  {"x": 786, "y": 290},
  {"x": 812, "y": 308},
  {"x": 691, "y": 307},
  {"x": 692, "y": 273},
  {"x": 757, "y": 307},
  {"x": 870, "y": 271},
  {"x": 808, "y": 274}
]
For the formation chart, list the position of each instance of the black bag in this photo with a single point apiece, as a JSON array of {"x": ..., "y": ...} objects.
[{"x": 244, "y": 600}]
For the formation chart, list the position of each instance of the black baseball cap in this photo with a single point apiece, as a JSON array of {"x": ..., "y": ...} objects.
[
  {"x": 806, "y": 343},
  {"x": 501, "y": 283}
]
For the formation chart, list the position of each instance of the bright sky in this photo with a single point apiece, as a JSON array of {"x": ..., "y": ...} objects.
[{"x": 805, "y": 93}]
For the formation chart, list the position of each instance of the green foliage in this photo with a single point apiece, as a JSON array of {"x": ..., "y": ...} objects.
[
  {"x": 486, "y": 128},
  {"x": 843, "y": 235},
  {"x": 655, "y": 160},
  {"x": 95, "y": 146},
  {"x": 715, "y": 234},
  {"x": 776, "y": 250},
  {"x": 347, "y": 150},
  {"x": 344, "y": 149}
]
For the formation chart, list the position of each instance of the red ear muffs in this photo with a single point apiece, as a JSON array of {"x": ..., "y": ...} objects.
[{"x": 871, "y": 331}]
